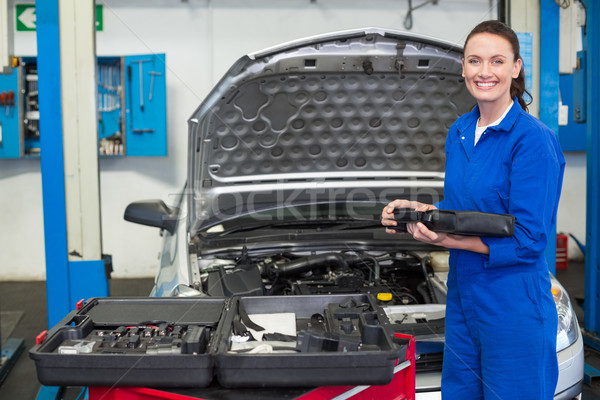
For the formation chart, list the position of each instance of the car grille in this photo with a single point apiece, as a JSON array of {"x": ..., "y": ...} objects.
[{"x": 429, "y": 362}]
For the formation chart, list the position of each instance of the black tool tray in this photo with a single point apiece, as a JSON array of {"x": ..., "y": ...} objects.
[
  {"x": 184, "y": 342},
  {"x": 342, "y": 340},
  {"x": 175, "y": 357}
]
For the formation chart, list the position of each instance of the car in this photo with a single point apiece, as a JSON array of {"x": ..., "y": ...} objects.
[{"x": 292, "y": 156}]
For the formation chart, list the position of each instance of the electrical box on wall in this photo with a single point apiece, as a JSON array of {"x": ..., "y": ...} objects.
[
  {"x": 131, "y": 101},
  {"x": 573, "y": 134}
]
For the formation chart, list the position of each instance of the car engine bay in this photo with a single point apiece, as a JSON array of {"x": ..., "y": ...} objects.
[{"x": 396, "y": 278}]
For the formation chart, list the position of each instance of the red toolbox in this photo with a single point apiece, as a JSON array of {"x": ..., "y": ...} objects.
[{"x": 402, "y": 387}]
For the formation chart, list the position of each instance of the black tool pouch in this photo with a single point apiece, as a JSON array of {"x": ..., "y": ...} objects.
[{"x": 472, "y": 223}]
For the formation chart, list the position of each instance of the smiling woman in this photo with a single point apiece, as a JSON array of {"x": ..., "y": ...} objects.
[
  {"x": 489, "y": 67},
  {"x": 264, "y": 214},
  {"x": 499, "y": 159}
]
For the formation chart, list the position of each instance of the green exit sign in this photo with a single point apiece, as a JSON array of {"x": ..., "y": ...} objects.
[{"x": 26, "y": 19}]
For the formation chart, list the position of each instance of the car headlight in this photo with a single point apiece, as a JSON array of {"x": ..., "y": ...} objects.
[{"x": 567, "y": 331}]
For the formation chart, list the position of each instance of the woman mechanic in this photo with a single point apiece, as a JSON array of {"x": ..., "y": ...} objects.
[{"x": 501, "y": 319}]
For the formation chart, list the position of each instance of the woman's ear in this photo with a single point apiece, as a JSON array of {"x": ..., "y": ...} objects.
[{"x": 517, "y": 68}]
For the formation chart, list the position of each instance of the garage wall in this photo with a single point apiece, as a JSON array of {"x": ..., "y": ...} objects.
[
  {"x": 571, "y": 210},
  {"x": 201, "y": 40}
]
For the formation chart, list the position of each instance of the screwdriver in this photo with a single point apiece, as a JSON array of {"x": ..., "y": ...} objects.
[{"x": 10, "y": 102}]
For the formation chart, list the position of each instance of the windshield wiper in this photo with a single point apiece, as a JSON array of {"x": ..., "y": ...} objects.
[
  {"x": 310, "y": 223},
  {"x": 351, "y": 223}
]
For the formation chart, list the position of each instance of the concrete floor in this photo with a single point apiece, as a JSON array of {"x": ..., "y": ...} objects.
[
  {"x": 30, "y": 299},
  {"x": 23, "y": 305}
]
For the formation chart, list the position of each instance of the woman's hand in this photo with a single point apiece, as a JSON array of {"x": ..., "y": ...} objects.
[
  {"x": 387, "y": 215},
  {"x": 423, "y": 234}
]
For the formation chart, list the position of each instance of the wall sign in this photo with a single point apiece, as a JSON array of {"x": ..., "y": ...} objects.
[{"x": 26, "y": 18}]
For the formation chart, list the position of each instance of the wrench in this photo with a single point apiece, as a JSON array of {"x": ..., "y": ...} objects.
[
  {"x": 152, "y": 75},
  {"x": 140, "y": 62}
]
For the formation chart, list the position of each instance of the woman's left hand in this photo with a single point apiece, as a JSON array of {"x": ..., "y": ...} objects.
[
  {"x": 472, "y": 243},
  {"x": 423, "y": 234}
]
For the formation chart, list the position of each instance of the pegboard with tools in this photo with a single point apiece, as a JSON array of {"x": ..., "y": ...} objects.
[
  {"x": 132, "y": 105},
  {"x": 146, "y": 94}
]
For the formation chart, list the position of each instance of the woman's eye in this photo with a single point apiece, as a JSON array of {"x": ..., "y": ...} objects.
[
  {"x": 473, "y": 61},
  {"x": 498, "y": 62}
]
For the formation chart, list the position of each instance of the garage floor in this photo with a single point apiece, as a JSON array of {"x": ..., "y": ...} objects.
[{"x": 23, "y": 315}]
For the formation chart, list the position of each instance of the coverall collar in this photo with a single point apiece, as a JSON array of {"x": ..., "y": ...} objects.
[
  {"x": 504, "y": 126},
  {"x": 466, "y": 126}
]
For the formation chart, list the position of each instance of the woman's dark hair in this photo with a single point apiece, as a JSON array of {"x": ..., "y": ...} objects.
[{"x": 517, "y": 86}]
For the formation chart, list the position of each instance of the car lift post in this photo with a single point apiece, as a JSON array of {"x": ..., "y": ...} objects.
[
  {"x": 592, "y": 262},
  {"x": 592, "y": 257},
  {"x": 69, "y": 154},
  {"x": 69, "y": 157}
]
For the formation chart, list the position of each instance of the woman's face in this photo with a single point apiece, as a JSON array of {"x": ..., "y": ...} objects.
[{"x": 489, "y": 68}]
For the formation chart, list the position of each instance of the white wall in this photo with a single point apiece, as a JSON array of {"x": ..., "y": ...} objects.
[
  {"x": 571, "y": 210},
  {"x": 201, "y": 40}
]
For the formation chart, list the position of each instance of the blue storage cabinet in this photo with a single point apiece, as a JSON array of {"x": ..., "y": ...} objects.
[
  {"x": 10, "y": 115},
  {"x": 145, "y": 122}
]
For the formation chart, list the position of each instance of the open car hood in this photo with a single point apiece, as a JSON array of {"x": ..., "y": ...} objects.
[{"x": 358, "y": 115}]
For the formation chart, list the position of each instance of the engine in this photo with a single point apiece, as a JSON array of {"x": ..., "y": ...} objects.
[{"x": 402, "y": 278}]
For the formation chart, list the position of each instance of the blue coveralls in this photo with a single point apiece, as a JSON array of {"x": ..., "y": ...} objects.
[{"x": 501, "y": 320}]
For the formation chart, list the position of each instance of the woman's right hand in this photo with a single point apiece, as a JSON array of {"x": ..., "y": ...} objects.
[
  {"x": 421, "y": 233},
  {"x": 387, "y": 215}
]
